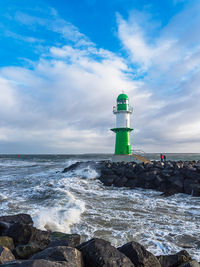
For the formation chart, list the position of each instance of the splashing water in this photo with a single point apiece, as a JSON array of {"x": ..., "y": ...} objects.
[{"x": 78, "y": 202}]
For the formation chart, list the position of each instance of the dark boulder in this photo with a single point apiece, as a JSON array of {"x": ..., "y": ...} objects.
[
  {"x": 37, "y": 263},
  {"x": 99, "y": 253},
  {"x": 119, "y": 170},
  {"x": 6, "y": 241},
  {"x": 106, "y": 171},
  {"x": 108, "y": 180},
  {"x": 191, "y": 264},
  {"x": 4, "y": 227},
  {"x": 23, "y": 234},
  {"x": 6, "y": 255},
  {"x": 20, "y": 218},
  {"x": 190, "y": 174},
  {"x": 131, "y": 183},
  {"x": 67, "y": 254},
  {"x": 139, "y": 256},
  {"x": 191, "y": 188},
  {"x": 129, "y": 173},
  {"x": 72, "y": 167},
  {"x": 120, "y": 181},
  {"x": 26, "y": 251},
  {"x": 174, "y": 260},
  {"x": 62, "y": 239}
]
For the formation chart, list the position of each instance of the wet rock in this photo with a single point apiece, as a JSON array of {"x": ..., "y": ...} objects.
[
  {"x": 119, "y": 182},
  {"x": 62, "y": 239},
  {"x": 26, "y": 251},
  {"x": 139, "y": 256},
  {"x": 191, "y": 174},
  {"x": 106, "y": 171},
  {"x": 191, "y": 264},
  {"x": 6, "y": 241},
  {"x": 5, "y": 255},
  {"x": 39, "y": 237},
  {"x": 168, "y": 177},
  {"x": 174, "y": 259},
  {"x": 23, "y": 234},
  {"x": 72, "y": 167},
  {"x": 20, "y": 218},
  {"x": 131, "y": 183},
  {"x": 37, "y": 263},
  {"x": 191, "y": 188},
  {"x": 108, "y": 180},
  {"x": 98, "y": 252},
  {"x": 83, "y": 164},
  {"x": 169, "y": 191},
  {"x": 4, "y": 227},
  {"x": 119, "y": 171},
  {"x": 67, "y": 254}
]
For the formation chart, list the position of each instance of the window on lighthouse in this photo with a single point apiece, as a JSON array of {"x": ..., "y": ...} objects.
[{"x": 122, "y": 102}]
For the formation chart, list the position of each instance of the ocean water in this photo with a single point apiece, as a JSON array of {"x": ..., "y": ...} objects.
[{"x": 77, "y": 202}]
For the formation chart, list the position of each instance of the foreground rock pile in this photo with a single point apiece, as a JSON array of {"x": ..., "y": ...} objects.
[
  {"x": 169, "y": 177},
  {"x": 22, "y": 245}
]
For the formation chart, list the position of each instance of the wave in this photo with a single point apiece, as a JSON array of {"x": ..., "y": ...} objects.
[{"x": 62, "y": 217}]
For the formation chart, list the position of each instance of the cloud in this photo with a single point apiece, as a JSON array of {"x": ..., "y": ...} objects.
[
  {"x": 63, "y": 103},
  {"x": 171, "y": 66}
]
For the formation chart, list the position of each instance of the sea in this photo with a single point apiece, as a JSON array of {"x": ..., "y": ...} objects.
[{"x": 77, "y": 202}]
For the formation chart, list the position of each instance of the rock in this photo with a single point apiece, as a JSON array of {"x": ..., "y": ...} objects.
[
  {"x": 106, "y": 171},
  {"x": 139, "y": 256},
  {"x": 108, "y": 180},
  {"x": 37, "y": 263},
  {"x": 67, "y": 254},
  {"x": 190, "y": 174},
  {"x": 131, "y": 183},
  {"x": 119, "y": 170},
  {"x": 99, "y": 253},
  {"x": 26, "y": 251},
  {"x": 120, "y": 181},
  {"x": 6, "y": 255},
  {"x": 23, "y": 234},
  {"x": 191, "y": 264},
  {"x": 169, "y": 192},
  {"x": 41, "y": 238},
  {"x": 20, "y": 218},
  {"x": 174, "y": 259},
  {"x": 72, "y": 167},
  {"x": 129, "y": 173},
  {"x": 6, "y": 241},
  {"x": 191, "y": 188},
  {"x": 62, "y": 239},
  {"x": 4, "y": 227},
  {"x": 83, "y": 164}
]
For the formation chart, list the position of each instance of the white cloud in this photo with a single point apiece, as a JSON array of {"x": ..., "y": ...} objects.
[
  {"x": 64, "y": 103},
  {"x": 171, "y": 64}
]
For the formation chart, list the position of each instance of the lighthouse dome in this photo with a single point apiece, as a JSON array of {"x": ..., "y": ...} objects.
[{"x": 122, "y": 97}]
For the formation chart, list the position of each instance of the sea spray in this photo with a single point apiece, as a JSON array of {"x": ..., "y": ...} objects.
[
  {"x": 62, "y": 217},
  {"x": 163, "y": 225}
]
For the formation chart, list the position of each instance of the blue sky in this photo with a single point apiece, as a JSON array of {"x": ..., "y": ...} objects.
[{"x": 63, "y": 63}]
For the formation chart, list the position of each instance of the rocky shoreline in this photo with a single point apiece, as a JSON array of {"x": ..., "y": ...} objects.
[
  {"x": 170, "y": 177},
  {"x": 23, "y": 245}
]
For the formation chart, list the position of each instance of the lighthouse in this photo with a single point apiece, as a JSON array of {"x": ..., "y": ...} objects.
[{"x": 123, "y": 112}]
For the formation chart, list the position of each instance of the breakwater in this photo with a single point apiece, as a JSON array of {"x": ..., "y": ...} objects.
[
  {"x": 23, "y": 245},
  {"x": 170, "y": 177}
]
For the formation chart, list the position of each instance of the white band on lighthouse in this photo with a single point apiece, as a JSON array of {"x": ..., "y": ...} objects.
[{"x": 123, "y": 120}]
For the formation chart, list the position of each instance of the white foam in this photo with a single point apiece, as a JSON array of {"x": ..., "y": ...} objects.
[
  {"x": 3, "y": 197},
  {"x": 61, "y": 218}
]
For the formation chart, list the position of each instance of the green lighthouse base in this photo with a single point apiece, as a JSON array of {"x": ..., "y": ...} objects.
[{"x": 122, "y": 144}]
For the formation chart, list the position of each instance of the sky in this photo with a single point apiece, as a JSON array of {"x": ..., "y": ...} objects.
[{"x": 63, "y": 63}]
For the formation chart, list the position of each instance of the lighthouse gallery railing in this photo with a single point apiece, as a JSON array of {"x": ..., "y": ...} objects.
[{"x": 130, "y": 109}]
